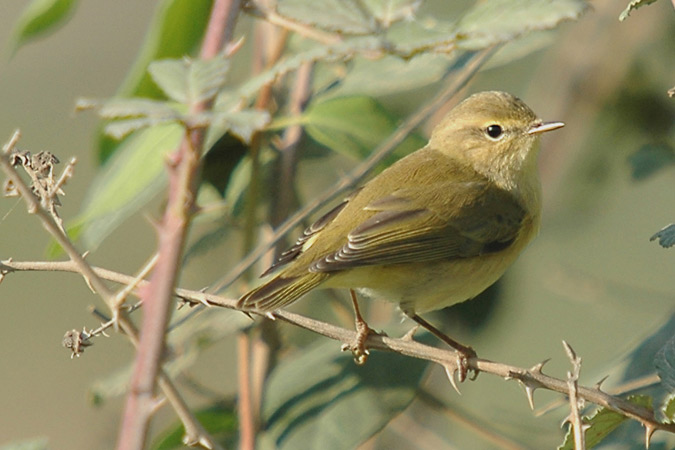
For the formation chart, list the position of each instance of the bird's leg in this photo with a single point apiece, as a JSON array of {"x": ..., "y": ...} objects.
[
  {"x": 358, "y": 346},
  {"x": 465, "y": 352}
]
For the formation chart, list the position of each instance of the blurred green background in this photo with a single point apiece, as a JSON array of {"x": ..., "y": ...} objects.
[{"x": 591, "y": 278}]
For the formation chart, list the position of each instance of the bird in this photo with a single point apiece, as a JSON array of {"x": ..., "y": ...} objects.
[{"x": 435, "y": 228}]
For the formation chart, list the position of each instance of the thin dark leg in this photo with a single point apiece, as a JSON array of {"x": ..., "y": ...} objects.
[{"x": 466, "y": 352}]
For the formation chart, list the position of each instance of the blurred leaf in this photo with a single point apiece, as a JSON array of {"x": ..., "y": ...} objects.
[
  {"x": 322, "y": 399},
  {"x": 666, "y": 236},
  {"x": 127, "y": 181},
  {"x": 641, "y": 360},
  {"x": 635, "y": 4},
  {"x": 219, "y": 420},
  {"x": 389, "y": 11},
  {"x": 39, "y": 443},
  {"x": 668, "y": 408},
  {"x": 176, "y": 30},
  {"x": 354, "y": 126},
  {"x": 649, "y": 159},
  {"x": 187, "y": 81},
  {"x": 344, "y": 16},
  {"x": 498, "y": 21},
  {"x": 38, "y": 18},
  {"x": 665, "y": 364},
  {"x": 241, "y": 123},
  {"x": 602, "y": 423},
  {"x": 117, "y": 108}
]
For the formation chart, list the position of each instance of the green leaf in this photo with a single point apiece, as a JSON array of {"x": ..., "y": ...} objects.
[
  {"x": 389, "y": 11},
  {"x": 635, "y": 4},
  {"x": 602, "y": 423},
  {"x": 354, "y": 126},
  {"x": 39, "y": 18},
  {"x": 664, "y": 361},
  {"x": 668, "y": 408},
  {"x": 176, "y": 30},
  {"x": 187, "y": 81},
  {"x": 499, "y": 21},
  {"x": 344, "y": 16},
  {"x": 650, "y": 159},
  {"x": 127, "y": 181},
  {"x": 322, "y": 399},
  {"x": 219, "y": 420},
  {"x": 665, "y": 236}
]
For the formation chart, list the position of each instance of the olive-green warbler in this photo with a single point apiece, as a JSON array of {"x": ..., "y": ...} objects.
[{"x": 437, "y": 227}]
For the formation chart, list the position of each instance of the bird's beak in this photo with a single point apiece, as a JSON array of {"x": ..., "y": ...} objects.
[{"x": 543, "y": 127}]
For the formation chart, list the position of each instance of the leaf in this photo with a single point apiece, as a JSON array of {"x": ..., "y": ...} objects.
[
  {"x": 312, "y": 399},
  {"x": 602, "y": 423},
  {"x": 664, "y": 361},
  {"x": 219, "y": 420},
  {"x": 389, "y": 11},
  {"x": 641, "y": 360},
  {"x": 635, "y": 4},
  {"x": 650, "y": 159},
  {"x": 499, "y": 21},
  {"x": 344, "y": 16},
  {"x": 127, "y": 181},
  {"x": 176, "y": 30},
  {"x": 39, "y": 18},
  {"x": 353, "y": 126},
  {"x": 668, "y": 409},
  {"x": 666, "y": 236},
  {"x": 187, "y": 81}
]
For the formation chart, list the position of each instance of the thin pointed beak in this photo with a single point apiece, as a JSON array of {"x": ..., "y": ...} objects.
[{"x": 544, "y": 127}]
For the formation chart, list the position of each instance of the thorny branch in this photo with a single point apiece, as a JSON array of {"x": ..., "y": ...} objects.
[{"x": 532, "y": 378}]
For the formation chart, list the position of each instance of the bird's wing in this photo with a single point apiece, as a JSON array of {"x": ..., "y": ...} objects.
[{"x": 467, "y": 219}]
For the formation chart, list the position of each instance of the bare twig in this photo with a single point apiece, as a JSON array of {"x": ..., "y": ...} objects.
[
  {"x": 532, "y": 378},
  {"x": 576, "y": 404}
]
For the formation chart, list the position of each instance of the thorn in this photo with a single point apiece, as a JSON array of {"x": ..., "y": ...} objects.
[
  {"x": 571, "y": 354},
  {"x": 529, "y": 392},
  {"x": 649, "y": 432},
  {"x": 270, "y": 315},
  {"x": 599, "y": 383},
  {"x": 538, "y": 367},
  {"x": 411, "y": 334},
  {"x": 450, "y": 372}
]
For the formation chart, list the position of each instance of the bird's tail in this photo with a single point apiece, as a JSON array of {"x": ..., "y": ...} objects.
[{"x": 279, "y": 292}]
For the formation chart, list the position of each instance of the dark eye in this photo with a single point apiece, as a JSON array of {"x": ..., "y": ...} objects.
[{"x": 494, "y": 131}]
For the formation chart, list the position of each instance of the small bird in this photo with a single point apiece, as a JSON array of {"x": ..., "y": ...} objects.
[{"x": 435, "y": 228}]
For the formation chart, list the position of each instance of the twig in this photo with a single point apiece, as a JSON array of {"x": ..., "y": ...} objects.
[
  {"x": 576, "y": 404},
  {"x": 467, "y": 70},
  {"x": 532, "y": 378}
]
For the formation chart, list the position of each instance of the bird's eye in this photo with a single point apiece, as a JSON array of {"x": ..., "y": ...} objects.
[{"x": 494, "y": 131}]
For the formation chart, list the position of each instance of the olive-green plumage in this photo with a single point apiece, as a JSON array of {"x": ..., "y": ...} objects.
[{"x": 437, "y": 227}]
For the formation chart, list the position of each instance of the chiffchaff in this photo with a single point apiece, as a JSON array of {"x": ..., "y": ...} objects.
[{"x": 437, "y": 227}]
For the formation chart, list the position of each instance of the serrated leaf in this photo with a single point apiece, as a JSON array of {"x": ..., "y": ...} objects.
[
  {"x": 354, "y": 126},
  {"x": 127, "y": 182},
  {"x": 176, "y": 30},
  {"x": 649, "y": 159},
  {"x": 641, "y": 360},
  {"x": 39, "y": 18},
  {"x": 117, "y": 108},
  {"x": 602, "y": 423},
  {"x": 219, "y": 420},
  {"x": 344, "y": 16},
  {"x": 665, "y": 236},
  {"x": 241, "y": 123},
  {"x": 632, "y": 6},
  {"x": 312, "y": 399},
  {"x": 664, "y": 361},
  {"x": 389, "y": 11},
  {"x": 187, "y": 81},
  {"x": 499, "y": 21},
  {"x": 668, "y": 408}
]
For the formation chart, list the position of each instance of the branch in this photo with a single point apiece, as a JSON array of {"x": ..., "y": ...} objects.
[
  {"x": 183, "y": 169},
  {"x": 532, "y": 378}
]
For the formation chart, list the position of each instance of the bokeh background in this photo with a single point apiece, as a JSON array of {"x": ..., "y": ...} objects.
[{"x": 591, "y": 278}]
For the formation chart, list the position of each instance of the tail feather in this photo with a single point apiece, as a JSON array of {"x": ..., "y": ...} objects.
[{"x": 279, "y": 292}]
